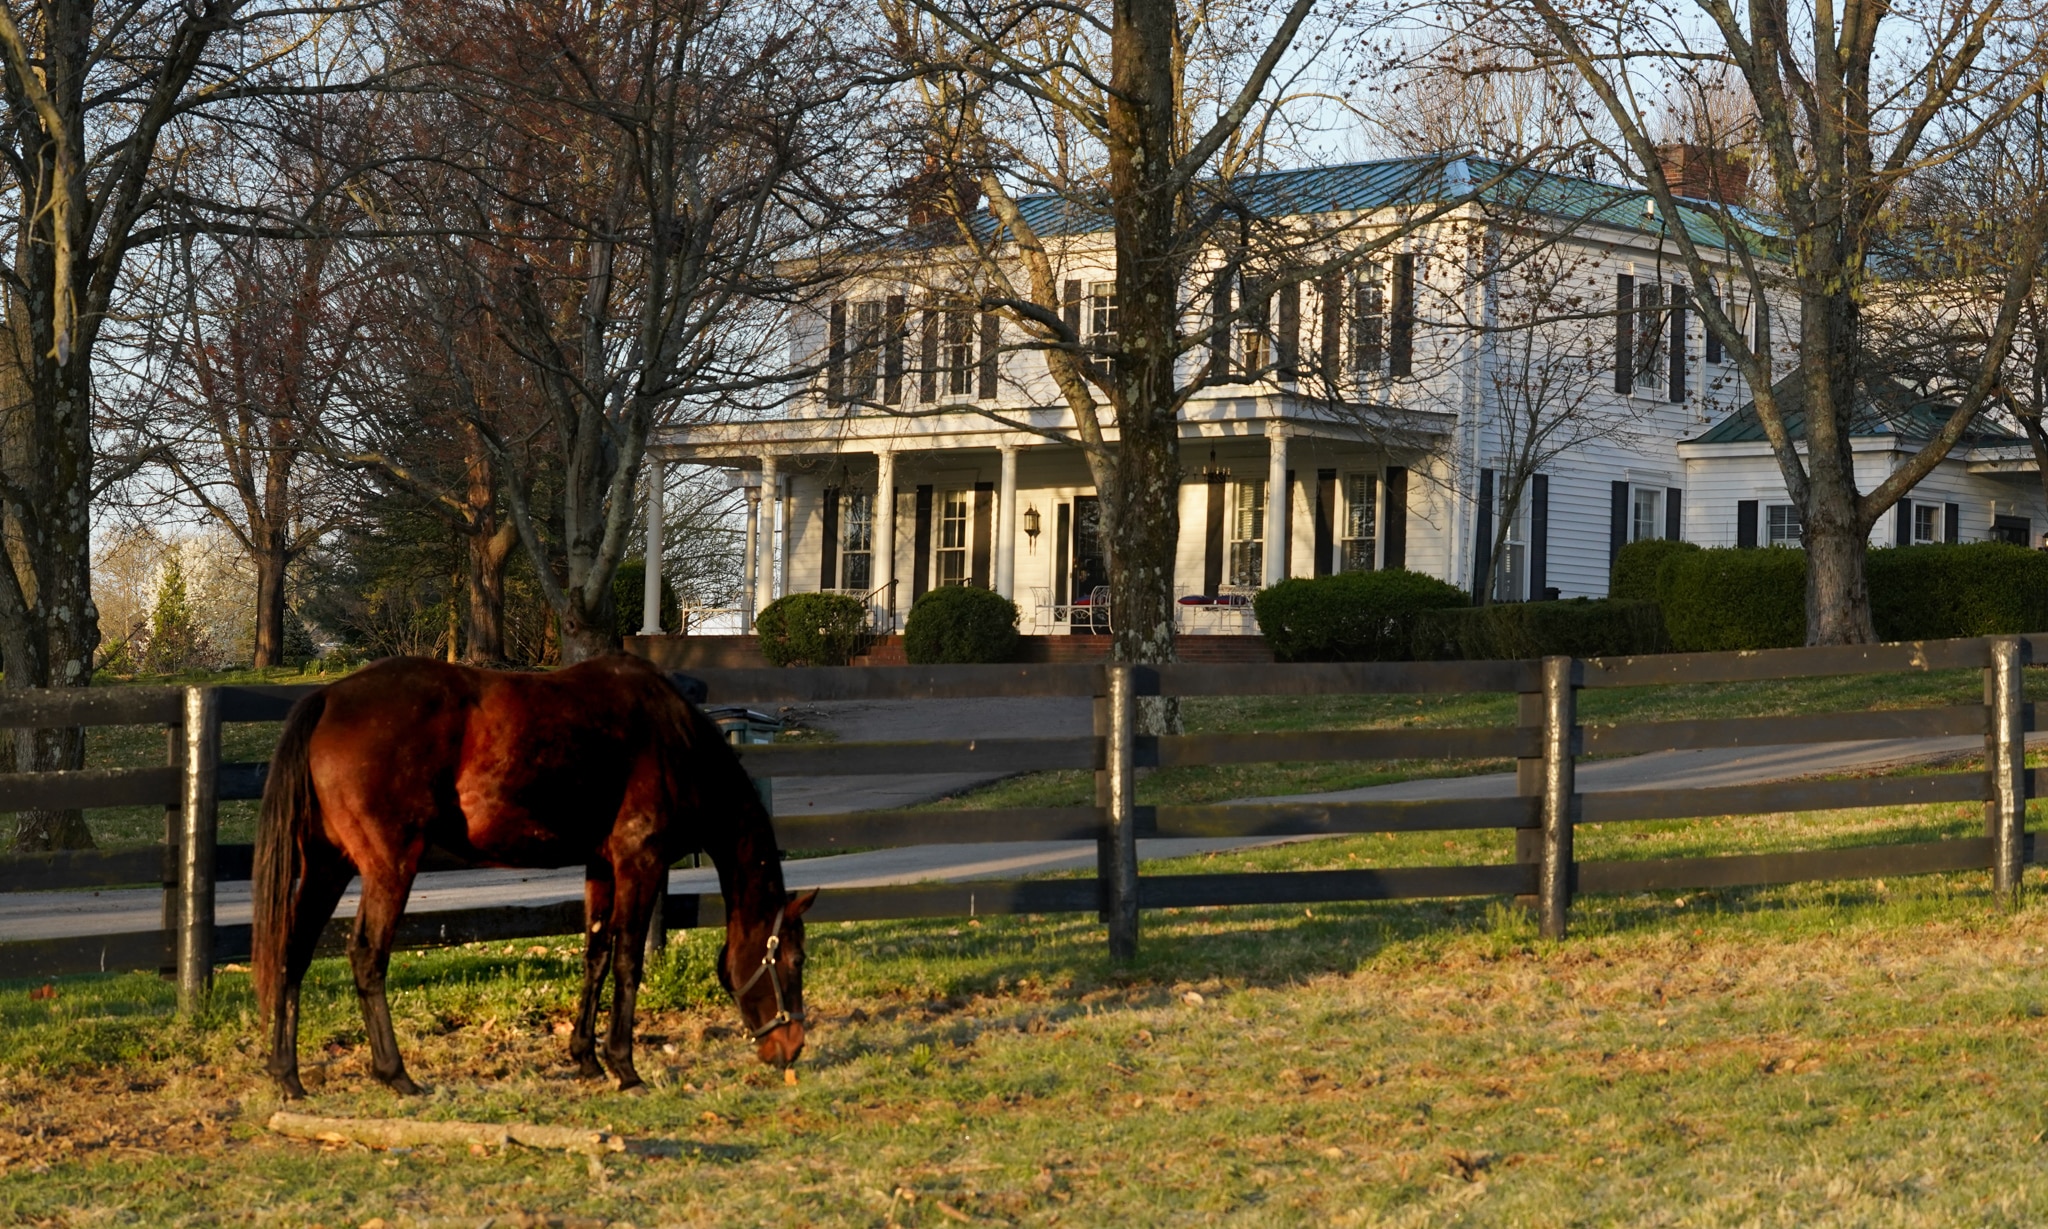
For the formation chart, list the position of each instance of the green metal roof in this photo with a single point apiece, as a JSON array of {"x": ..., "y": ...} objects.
[
  {"x": 1361, "y": 187},
  {"x": 1882, "y": 408}
]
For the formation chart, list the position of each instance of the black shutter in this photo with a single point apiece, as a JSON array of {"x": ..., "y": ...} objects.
[
  {"x": 1326, "y": 521},
  {"x": 928, "y": 359},
  {"x": 1286, "y": 527},
  {"x": 1070, "y": 310},
  {"x": 1617, "y": 522},
  {"x": 1745, "y": 523},
  {"x": 1289, "y": 344},
  {"x": 984, "y": 533},
  {"x": 1763, "y": 325},
  {"x": 835, "y": 357},
  {"x": 1219, "y": 333},
  {"x": 1482, "y": 538},
  {"x": 1678, "y": 355},
  {"x": 1401, "y": 340},
  {"x": 991, "y": 346},
  {"x": 1624, "y": 332},
  {"x": 1333, "y": 331},
  {"x": 1539, "y": 536},
  {"x": 1674, "y": 513},
  {"x": 892, "y": 351},
  {"x": 921, "y": 545},
  {"x": 1212, "y": 539},
  {"x": 1713, "y": 338},
  {"x": 1902, "y": 523},
  {"x": 1952, "y": 523},
  {"x": 1395, "y": 553},
  {"x": 1063, "y": 543},
  {"x": 828, "y": 563}
]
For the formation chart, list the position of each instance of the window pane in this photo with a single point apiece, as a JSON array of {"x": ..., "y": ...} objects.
[
  {"x": 1926, "y": 519},
  {"x": 1782, "y": 525},
  {"x": 953, "y": 538},
  {"x": 1361, "y": 522},
  {"x": 1649, "y": 514},
  {"x": 1248, "y": 528}
]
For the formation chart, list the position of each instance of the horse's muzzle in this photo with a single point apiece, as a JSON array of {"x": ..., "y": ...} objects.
[{"x": 781, "y": 1046}]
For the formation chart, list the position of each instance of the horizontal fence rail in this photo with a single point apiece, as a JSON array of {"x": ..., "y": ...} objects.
[{"x": 1544, "y": 743}]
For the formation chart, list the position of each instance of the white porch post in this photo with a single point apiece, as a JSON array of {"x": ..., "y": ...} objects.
[
  {"x": 771, "y": 501},
  {"x": 751, "y": 559},
  {"x": 885, "y": 541},
  {"x": 1006, "y": 524},
  {"x": 1277, "y": 495},
  {"x": 650, "y": 601}
]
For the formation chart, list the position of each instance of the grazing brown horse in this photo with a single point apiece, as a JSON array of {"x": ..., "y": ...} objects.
[{"x": 603, "y": 765}]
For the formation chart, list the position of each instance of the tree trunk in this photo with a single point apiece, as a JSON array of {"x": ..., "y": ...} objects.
[
  {"x": 1835, "y": 534},
  {"x": 488, "y": 553},
  {"x": 271, "y": 562},
  {"x": 1837, "y": 596}
]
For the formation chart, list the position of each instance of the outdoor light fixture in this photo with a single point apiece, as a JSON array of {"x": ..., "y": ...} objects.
[{"x": 1031, "y": 525}]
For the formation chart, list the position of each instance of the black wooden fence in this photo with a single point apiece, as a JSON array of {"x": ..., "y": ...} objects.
[{"x": 1546, "y": 742}]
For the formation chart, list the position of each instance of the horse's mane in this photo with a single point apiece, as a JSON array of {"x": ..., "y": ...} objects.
[{"x": 724, "y": 792}]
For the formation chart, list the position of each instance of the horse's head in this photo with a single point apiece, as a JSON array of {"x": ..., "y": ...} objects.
[{"x": 762, "y": 967}]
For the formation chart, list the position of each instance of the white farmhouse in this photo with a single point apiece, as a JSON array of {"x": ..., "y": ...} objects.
[{"x": 1368, "y": 421}]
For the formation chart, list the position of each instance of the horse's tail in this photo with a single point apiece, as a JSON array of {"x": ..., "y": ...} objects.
[{"x": 290, "y": 811}]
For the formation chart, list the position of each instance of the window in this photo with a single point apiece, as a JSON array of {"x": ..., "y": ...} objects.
[
  {"x": 1247, "y": 535},
  {"x": 1781, "y": 526},
  {"x": 857, "y": 544},
  {"x": 864, "y": 361},
  {"x": 1359, "y": 547},
  {"x": 960, "y": 354},
  {"x": 1254, "y": 350},
  {"x": 2014, "y": 529},
  {"x": 1103, "y": 322},
  {"x": 1368, "y": 326},
  {"x": 1926, "y": 524},
  {"x": 1648, "y": 518},
  {"x": 952, "y": 568},
  {"x": 1649, "y": 347}
]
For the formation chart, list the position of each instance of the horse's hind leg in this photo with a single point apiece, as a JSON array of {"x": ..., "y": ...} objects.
[
  {"x": 636, "y": 895},
  {"x": 597, "y": 945},
  {"x": 324, "y": 878},
  {"x": 369, "y": 954}
]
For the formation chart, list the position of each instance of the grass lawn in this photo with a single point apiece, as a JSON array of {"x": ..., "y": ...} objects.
[{"x": 1842, "y": 1054}]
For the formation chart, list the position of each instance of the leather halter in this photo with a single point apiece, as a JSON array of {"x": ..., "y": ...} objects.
[{"x": 783, "y": 1016}]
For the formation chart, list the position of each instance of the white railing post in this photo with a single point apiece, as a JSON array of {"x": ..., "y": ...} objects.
[
  {"x": 199, "y": 812},
  {"x": 2005, "y": 760}
]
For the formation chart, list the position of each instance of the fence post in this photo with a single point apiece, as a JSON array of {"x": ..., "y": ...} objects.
[
  {"x": 2005, "y": 760},
  {"x": 1116, "y": 793},
  {"x": 174, "y": 828},
  {"x": 200, "y": 812},
  {"x": 1561, "y": 679}
]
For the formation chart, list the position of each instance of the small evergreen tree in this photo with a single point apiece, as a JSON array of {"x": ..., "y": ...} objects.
[{"x": 173, "y": 631}]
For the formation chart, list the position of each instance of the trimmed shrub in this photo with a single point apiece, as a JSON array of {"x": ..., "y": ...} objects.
[
  {"x": 1733, "y": 598},
  {"x": 811, "y": 629},
  {"x": 1352, "y": 616},
  {"x": 1634, "y": 575},
  {"x": 629, "y": 594},
  {"x": 959, "y": 624},
  {"x": 1973, "y": 589},
  {"x": 1579, "y": 627}
]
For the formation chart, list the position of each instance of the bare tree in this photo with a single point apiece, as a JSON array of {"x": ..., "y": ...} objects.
[
  {"x": 95, "y": 109},
  {"x": 1844, "y": 135}
]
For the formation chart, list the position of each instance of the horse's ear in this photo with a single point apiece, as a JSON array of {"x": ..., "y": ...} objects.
[{"x": 799, "y": 905}]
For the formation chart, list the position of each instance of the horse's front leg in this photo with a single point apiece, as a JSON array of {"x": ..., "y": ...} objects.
[
  {"x": 638, "y": 894},
  {"x": 369, "y": 955},
  {"x": 597, "y": 944}
]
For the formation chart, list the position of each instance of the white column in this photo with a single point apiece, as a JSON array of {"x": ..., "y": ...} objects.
[
  {"x": 1006, "y": 524},
  {"x": 751, "y": 559},
  {"x": 650, "y": 600},
  {"x": 1277, "y": 495},
  {"x": 884, "y": 556},
  {"x": 771, "y": 503}
]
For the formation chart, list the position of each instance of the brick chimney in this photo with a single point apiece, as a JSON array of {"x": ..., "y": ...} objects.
[{"x": 1704, "y": 174}]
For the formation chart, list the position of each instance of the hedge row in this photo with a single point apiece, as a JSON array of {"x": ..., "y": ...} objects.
[
  {"x": 1730, "y": 598},
  {"x": 1404, "y": 616}
]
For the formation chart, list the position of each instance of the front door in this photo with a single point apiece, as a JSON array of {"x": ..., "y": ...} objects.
[{"x": 1091, "y": 570}]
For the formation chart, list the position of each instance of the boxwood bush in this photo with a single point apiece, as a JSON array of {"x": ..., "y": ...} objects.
[
  {"x": 1634, "y": 575},
  {"x": 1972, "y": 589},
  {"x": 1578, "y": 627},
  {"x": 959, "y": 624},
  {"x": 1351, "y": 616},
  {"x": 812, "y": 629},
  {"x": 1733, "y": 598}
]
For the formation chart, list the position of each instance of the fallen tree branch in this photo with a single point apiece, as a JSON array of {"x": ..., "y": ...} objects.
[{"x": 410, "y": 1133}]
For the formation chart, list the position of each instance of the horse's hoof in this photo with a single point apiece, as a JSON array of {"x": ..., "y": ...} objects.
[
  {"x": 634, "y": 1086},
  {"x": 589, "y": 1069},
  {"x": 292, "y": 1089},
  {"x": 402, "y": 1085}
]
